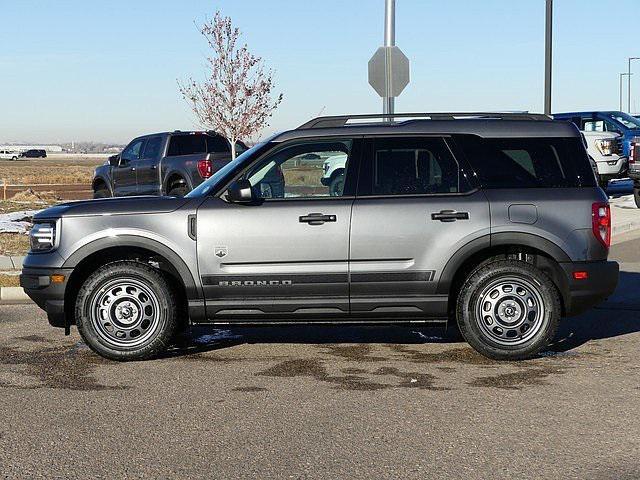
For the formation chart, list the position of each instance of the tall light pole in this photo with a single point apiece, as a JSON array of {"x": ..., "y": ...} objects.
[
  {"x": 388, "y": 102},
  {"x": 548, "y": 44},
  {"x": 629, "y": 84},
  {"x": 623, "y": 75}
]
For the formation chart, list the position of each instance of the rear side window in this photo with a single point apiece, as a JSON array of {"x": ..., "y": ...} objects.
[
  {"x": 410, "y": 166},
  {"x": 217, "y": 145},
  {"x": 528, "y": 162},
  {"x": 186, "y": 145}
]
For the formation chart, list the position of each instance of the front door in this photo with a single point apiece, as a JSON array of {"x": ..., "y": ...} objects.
[
  {"x": 285, "y": 256},
  {"x": 414, "y": 210},
  {"x": 124, "y": 174}
]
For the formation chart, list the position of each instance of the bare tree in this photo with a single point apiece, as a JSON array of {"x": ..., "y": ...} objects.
[{"x": 235, "y": 99}]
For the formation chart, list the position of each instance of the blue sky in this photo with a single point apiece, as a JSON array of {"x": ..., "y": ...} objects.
[{"x": 107, "y": 70}]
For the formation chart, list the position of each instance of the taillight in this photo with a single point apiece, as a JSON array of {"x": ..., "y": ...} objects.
[
  {"x": 601, "y": 223},
  {"x": 205, "y": 168}
]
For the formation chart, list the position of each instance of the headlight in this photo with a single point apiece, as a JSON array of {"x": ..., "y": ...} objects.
[
  {"x": 606, "y": 146},
  {"x": 43, "y": 237}
]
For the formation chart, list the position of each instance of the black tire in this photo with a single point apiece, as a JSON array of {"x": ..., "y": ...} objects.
[
  {"x": 178, "y": 191},
  {"x": 510, "y": 329},
  {"x": 101, "y": 192},
  {"x": 337, "y": 185},
  {"x": 14, "y": 158},
  {"x": 636, "y": 195},
  {"x": 119, "y": 299}
]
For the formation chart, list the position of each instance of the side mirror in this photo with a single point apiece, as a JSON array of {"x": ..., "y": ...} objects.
[
  {"x": 240, "y": 192},
  {"x": 114, "y": 160}
]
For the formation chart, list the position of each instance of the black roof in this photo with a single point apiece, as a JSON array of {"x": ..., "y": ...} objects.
[{"x": 484, "y": 124}]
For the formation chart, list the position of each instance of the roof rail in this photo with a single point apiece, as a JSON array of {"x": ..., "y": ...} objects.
[{"x": 342, "y": 120}]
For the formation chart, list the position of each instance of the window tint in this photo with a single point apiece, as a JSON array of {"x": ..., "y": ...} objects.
[
  {"x": 297, "y": 171},
  {"x": 528, "y": 162},
  {"x": 411, "y": 166},
  {"x": 186, "y": 145},
  {"x": 217, "y": 144},
  {"x": 132, "y": 152},
  {"x": 152, "y": 148}
]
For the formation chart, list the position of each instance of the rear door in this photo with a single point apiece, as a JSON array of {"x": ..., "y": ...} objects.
[
  {"x": 147, "y": 176},
  {"x": 414, "y": 210},
  {"x": 124, "y": 174},
  {"x": 286, "y": 255}
]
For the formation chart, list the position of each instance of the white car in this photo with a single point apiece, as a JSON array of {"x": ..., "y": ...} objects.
[
  {"x": 333, "y": 173},
  {"x": 605, "y": 150},
  {"x": 9, "y": 155}
]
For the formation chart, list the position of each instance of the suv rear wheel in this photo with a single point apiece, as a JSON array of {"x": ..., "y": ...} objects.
[
  {"x": 508, "y": 310},
  {"x": 126, "y": 311}
]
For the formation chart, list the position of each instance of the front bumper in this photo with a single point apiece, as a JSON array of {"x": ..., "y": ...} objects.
[
  {"x": 584, "y": 294},
  {"x": 49, "y": 296},
  {"x": 612, "y": 167}
]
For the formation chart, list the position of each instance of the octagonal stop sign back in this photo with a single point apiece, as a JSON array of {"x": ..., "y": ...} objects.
[{"x": 392, "y": 81}]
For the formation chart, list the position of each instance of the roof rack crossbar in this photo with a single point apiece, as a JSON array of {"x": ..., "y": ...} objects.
[{"x": 342, "y": 120}]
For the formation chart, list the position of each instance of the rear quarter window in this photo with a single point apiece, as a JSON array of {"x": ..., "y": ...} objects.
[
  {"x": 186, "y": 145},
  {"x": 528, "y": 162}
]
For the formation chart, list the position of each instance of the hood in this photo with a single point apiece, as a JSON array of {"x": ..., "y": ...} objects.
[{"x": 113, "y": 206}]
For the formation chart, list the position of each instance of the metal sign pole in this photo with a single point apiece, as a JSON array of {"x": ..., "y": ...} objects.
[
  {"x": 548, "y": 57},
  {"x": 388, "y": 104}
]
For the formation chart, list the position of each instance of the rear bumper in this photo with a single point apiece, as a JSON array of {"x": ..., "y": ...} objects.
[
  {"x": 584, "y": 294},
  {"x": 49, "y": 296}
]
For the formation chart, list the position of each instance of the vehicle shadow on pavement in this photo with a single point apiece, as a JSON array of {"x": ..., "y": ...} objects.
[{"x": 618, "y": 315}]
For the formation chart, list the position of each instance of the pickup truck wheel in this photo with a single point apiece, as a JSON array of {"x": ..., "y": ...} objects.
[
  {"x": 636, "y": 195},
  {"x": 126, "y": 311},
  {"x": 178, "y": 191},
  {"x": 508, "y": 310}
]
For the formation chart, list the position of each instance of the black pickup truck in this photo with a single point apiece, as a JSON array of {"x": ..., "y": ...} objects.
[{"x": 169, "y": 163}]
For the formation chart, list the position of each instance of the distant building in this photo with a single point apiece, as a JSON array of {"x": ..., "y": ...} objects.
[{"x": 22, "y": 148}]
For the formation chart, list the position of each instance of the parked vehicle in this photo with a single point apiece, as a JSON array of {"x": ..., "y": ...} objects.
[
  {"x": 491, "y": 220},
  {"x": 620, "y": 123},
  {"x": 34, "y": 153},
  {"x": 9, "y": 155},
  {"x": 170, "y": 163}
]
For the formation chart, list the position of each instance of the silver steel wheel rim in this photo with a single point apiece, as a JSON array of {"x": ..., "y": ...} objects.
[
  {"x": 125, "y": 313},
  {"x": 510, "y": 311}
]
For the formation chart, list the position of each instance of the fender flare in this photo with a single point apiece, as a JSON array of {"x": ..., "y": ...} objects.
[
  {"x": 496, "y": 240},
  {"x": 191, "y": 288}
]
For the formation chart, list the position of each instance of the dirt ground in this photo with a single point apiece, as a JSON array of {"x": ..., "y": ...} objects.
[
  {"x": 57, "y": 169},
  {"x": 9, "y": 280}
]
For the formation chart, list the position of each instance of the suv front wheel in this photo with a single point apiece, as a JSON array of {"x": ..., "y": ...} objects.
[
  {"x": 508, "y": 310},
  {"x": 126, "y": 310}
]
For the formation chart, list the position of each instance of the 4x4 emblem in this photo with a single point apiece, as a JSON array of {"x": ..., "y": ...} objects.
[{"x": 220, "y": 252}]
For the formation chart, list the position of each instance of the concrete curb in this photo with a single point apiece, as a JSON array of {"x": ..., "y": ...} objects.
[
  {"x": 11, "y": 263},
  {"x": 13, "y": 294}
]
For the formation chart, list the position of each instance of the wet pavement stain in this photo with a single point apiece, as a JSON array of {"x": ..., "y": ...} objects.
[
  {"x": 422, "y": 381},
  {"x": 454, "y": 355},
  {"x": 249, "y": 389},
  {"x": 55, "y": 367},
  {"x": 534, "y": 376}
]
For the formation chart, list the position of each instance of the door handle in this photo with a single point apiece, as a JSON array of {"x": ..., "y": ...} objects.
[
  {"x": 317, "y": 218},
  {"x": 449, "y": 216},
  {"x": 133, "y": 169}
]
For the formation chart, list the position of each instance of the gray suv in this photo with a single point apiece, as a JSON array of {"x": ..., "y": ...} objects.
[{"x": 491, "y": 220}]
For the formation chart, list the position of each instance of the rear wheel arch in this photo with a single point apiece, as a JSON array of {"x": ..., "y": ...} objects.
[
  {"x": 174, "y": 180},
  {"x": 540, "y": 252}
]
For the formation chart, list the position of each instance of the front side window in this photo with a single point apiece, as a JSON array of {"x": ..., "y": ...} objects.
[
  {"x": 132, "y": 152},
  {"x": 297, "y": 171},
  {"x": 152, "y": 148},
  {"x": 411, "y": 166}
]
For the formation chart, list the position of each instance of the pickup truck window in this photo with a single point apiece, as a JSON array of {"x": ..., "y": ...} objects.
[
  {"x": 132, "y": 152},
  {"x": 217, "y": 145},
  {"x": 152, "y": 148}
]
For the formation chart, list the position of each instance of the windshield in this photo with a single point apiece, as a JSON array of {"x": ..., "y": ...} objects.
[
  {"x": 208, "y": 186},
  {"x": 625, "y": 119}
]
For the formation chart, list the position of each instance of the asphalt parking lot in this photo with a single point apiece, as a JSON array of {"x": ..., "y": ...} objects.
[{"x": 317, "y": 402}]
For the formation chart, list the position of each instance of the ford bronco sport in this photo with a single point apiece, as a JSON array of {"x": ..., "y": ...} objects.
[{"x": 491, "y": 220}]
